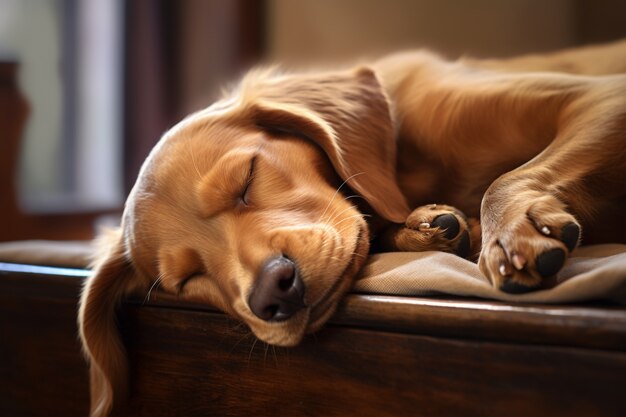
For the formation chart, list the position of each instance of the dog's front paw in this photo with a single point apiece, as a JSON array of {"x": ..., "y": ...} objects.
[
  {"x": 529, "y": 248},
  {"x": 436, "y": 227}
]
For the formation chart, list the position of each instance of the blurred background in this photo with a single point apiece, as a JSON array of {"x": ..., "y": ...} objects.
[{"x": 87, "y": 87}]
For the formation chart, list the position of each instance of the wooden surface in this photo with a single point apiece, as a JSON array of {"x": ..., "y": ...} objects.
[
  {"x": 584, "y": 325},
  {"x": 198, "y": 363},
  {"x": 379, "y": 356},
  {"x": 42, "y": 372}
]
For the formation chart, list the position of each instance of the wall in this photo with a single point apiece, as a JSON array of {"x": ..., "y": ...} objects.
[{"x": 313, "y": 30}]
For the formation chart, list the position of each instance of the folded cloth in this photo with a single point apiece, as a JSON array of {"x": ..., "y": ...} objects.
[
  {"x": 69, "y": 254},
  {"x": 595, "y": 272},
  {"x": 591, "y": 273}
]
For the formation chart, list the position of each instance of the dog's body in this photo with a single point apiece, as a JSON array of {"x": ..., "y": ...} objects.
[
  {"x": 251, "y": 204},
  {"x": 545, "y": 146}
]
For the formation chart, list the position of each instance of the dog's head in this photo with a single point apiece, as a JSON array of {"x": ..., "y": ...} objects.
[{"x": 241, "y": 206}]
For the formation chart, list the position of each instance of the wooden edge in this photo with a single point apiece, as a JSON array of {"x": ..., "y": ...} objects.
[{"x": 586, "y": 326}]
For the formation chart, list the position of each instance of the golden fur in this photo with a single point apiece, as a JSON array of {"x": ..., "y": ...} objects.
[{"x": 526, "y": 149}]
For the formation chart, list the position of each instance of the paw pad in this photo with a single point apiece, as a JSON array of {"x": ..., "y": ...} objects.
[
  {"x": 550, "y": 262},
  {"x": 464, "y": 247},
  {"x": 570, "y": 234},
  {"x": 512, "y": 287},
  {"x": 448, "y": 224}
]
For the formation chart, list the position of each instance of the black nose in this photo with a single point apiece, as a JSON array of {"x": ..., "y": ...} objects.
[{"x": 279, "y": 291}]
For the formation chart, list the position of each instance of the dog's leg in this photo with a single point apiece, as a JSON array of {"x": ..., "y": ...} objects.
[
  {"x": 531, "y": 217},
  {"x": 434, "y": 227}
]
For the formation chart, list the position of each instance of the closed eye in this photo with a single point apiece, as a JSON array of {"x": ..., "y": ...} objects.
[
  {"x": 185, "y": 281},
  {"x": 245, "y": 194}
]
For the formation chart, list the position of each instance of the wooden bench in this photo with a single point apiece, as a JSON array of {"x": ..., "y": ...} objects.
[{"x": 378, "y": 356}]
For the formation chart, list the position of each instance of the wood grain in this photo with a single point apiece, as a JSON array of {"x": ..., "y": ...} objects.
[
  {"x": 582, "y": 325},
  {"x": 379, "y": 356},
  {"x": 42, "y": 371},
  {"x": 199, "y": 363}
]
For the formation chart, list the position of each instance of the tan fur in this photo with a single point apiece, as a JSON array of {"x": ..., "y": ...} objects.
[
  {"x": 524, "y": 150},
  {"x": 98, "y": 328}
]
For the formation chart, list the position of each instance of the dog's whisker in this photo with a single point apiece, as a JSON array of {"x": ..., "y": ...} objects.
[
  {"x": 335, "y": 216},
  {"x": 275, "y": 357},
  {"x": 239, "y": 326},
  {"x": 154, "y": 284},
  {"x": 350, "y": 197},
  {"x": 353, "y": 196},
  {"x": 344, "y": 227},
  {"x": 193, "y": 161},
  {"x": 337, "y": 192},
  {"x": 332, "y": 216},
  {"x": 241, "y": 339},
  {"x": 256, "y": 339},
  {"x": 349, "y": 218},
  {"x": 267, "y": 345},
  {"x": 358, "y": 214}
]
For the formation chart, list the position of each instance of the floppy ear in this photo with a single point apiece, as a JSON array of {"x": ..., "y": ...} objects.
[
  {"x": 347, "y": 114},
  {"x": 99, "y": 334}
]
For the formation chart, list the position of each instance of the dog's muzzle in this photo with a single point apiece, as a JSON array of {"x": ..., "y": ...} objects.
[{"x": 279, "y": 291}]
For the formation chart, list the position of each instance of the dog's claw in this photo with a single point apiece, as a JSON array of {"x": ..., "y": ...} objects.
[
  {"x": 518, "y": 261},
  {"x": 505, "y": 270}
]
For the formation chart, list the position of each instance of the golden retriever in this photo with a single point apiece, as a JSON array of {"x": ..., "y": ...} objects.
[{"x": 265, "y": 204}]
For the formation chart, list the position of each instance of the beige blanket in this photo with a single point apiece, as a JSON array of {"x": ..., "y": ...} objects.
[{"x": 591, "y": 273}]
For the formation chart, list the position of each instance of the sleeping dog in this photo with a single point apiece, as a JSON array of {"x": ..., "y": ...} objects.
[{"x": 267, "y": 203}]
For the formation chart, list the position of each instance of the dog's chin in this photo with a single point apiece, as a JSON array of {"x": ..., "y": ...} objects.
[{"x": 286, "y": 334}]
